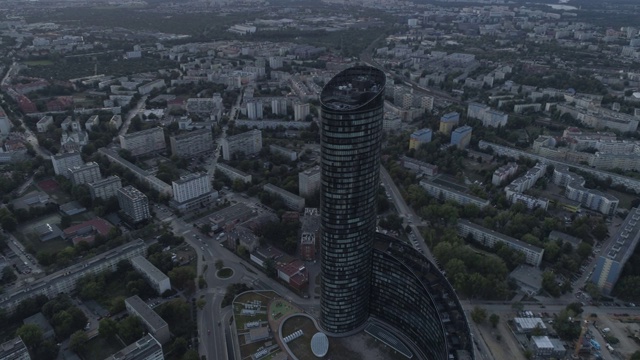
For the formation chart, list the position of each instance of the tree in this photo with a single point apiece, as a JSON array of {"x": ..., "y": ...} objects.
[
  {"x": 600, "y": 231},
  {"x": 191, "y": 354},
  {"x": 31, "y": 335},
  {"x": 270, "y": 268},
  {"x": 201, "y": 303},
  {"x": 78, "y": 342},
  {"x": 130, "y": 329},
  {"x": 219, "y": 264},
  {"x": 182, "y": 277},
  {"x": 108, "y": 328},
  {"x": 478, "y": 315},
  {"x": 494, "y": 319}
]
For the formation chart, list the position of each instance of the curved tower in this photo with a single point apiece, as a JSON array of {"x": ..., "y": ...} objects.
[{"x": 352, "y": 112}]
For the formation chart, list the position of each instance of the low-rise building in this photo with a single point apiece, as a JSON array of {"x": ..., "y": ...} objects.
[
  {"x": 489, "y": 238},
  {"x": 288, "y": 154},
  {"x": 440, "y": 188},
  {"x": 158, "y": 280},
  {"x": 155, "y": 325},
  {"x": 92, "y": 123},
  {"x": 234, "y": 174},
  {"x": 419, "y": 166},
  {"x": 142, "y": 175},
  {"x": 87, "y": 230},
  {"x": 526, "y": 325},
  {"x": 44, "y": 124},
  {"x": 291, "y": 200},
  {"x": 295, "y": 274},
  {"x": 545, "y": 348},
  {"x": 503, "y": 173},
  {"x": 590, "y": 198}
]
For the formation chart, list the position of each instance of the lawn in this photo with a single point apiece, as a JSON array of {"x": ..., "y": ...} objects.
[
  {"x": 225, "y": 273},
  {"x": 625, "y": 199},
  {"x": 300, "y": 347},
  {"x": 101, "y": 348}
]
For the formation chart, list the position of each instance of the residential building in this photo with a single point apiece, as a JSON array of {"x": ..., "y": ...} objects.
[
  {"x": 515, "y": 189},
  {"x": 149, "y": 87},
  {"x": 142, "y": 175},
  {"x": 503, "y": 173},
  {"x": 233, "y": 174},
  {"x": 116, "y": 121},
  {"x": 84, "y": 174},
  {"x": 612, "y": 259},
  {"x": 294, "y": 273},
  {"x": 14, "y": 349},
  {"x": 86, "y": 231},
  {"x": 63, "y": 162},
  {"x": 105, "y": 188},
  {"x": 249, "y": 143},
  {"x": 489, "y": 238},
  {"x": 461, "y": 137},
  {"x": 589, "y": 198},
  {"x": 309, "y": 182},
  {"x": 489, "y": 117},
  {"x": 147, "y": 348},
  {"x": 65, "y": 280},
  {"x": 288, "y": 154},
  {"x": 420, "y": 137},
  {"x": 301, "y": 111},
  {"x": 193, "y": 192},
  {"x": 5, "y": 124},
  {"x": 254, "y": 110},
  {"x": 279, "y": 106},
  {"x": 191, "y": 143},
  {"x": 292, "y": 201},
  {"x": 545, "y": 348},
  {"x": 144, "y": 142},
  {"x": 44, "y": 124},
  {"x": 92, "y": 123},
  {"x": 155, "y": 325},
  {"x": 134, "y": 204},
  {"x": 440, "y": 188},
  {"x": 448, "y": 122},
  {"x": 420, "y": 167},
  {"x": 158, "y": 280}
]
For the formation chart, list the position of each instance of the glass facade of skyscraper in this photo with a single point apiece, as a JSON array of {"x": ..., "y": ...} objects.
[{"x": 352, "y": 112}]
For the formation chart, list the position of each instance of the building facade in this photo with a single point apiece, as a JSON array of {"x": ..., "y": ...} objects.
[
  {"x": 441, "y": 191},
  {"x": 461, "y": 137},
  {"x": 448, "y": 122},
  {"x": 300, "y": 111},
  {"x": 288, "y": 154},
  {"x": 249, "y": 143},
  {"x": 85, "y": 174},
  {"x": 309, "y": 182},
  {"x": 144, "y": 142},
  {"x": 193, "y": 192},
  {"x": 147, "y": 348},
  {"x": 63, "y": 162},
  {"x": 105, "y": 188},
  {"x": 291, "y": 200},
  {"x": 14, "y": 349},
  {"x": 158, "y": 280},
  {"x": 151, "y": 320},
  {"x": 233, "y": 173},
  {"x": 351, "y": 130},
  {"x": 134, "y": 204},
  {"x": 420, "y": 137},
  {"x": 191, "y": 143}
]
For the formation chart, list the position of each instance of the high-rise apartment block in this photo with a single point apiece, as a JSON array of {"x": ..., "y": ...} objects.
[
  {"x": 309, "y": 182},
  {"x": 448, "y": 122},
  {"x": 191, "y": 143},
  {"x": 420, "y": 137},
  {"x": 105, "y": 188},
  {"x": 63, "y": 162},
  {"x": 254, "y": 110},
  {"x": 300, "y": 111},
  {"x": 461, "y": 137},
  {"x": 134, "y": 204},
  {"x": 192, "y": 191},
  {"x": 84, "y": 174},
  {"x": 249, "y": 143},
  {"x": 279, "y": 106},
  {"x": 144, "y": 142}
]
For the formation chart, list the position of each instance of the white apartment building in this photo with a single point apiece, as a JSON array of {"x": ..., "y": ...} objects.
[
  {"x": 526, "y": 181},
  {"x": 191, "y": 186},
  {"x": 279, "y": 106},
  {"x": 254, "y": 110},
  {"x": 85, "y": 174},
  {"x": 489, "y": 238},
  {"x": 147, "y": 348},
  {"x": 249, "y": 143},
  {"x": 233, "y": 173},
  {"x": 140, "y": 174},
  {"x": 5, "y": 123},
  {"x": 289, "y": 154},
  {"x": 44, "y": 124},
  {"x": 92, "y": 123},
  {"x": 65, "y": 280},
  {"x": 144, "y": 142},
  {"x": 149, "y": 87},
  {"x": 292, "y": 201},
  {"x": 134, "y": 204},
  {"x": 158, "y": 280},
  {"x": 309, "y": 181},
  {"x": 438, "y": 190},
  {"x": 589, "y": 198},
  {"x": 191, "y": 143},
  {"x": 155, "y": 325},
  {"x": 63, "y": 162},
  {"x": 105, "y": 188},
  {"x": 300, "y": 111},
  {"x": 503, "y": 173}
]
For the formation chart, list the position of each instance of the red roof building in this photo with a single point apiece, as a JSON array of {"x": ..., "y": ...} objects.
[
  {"x": 295, "y": 274},
  {"x": 87, "y": 230}
]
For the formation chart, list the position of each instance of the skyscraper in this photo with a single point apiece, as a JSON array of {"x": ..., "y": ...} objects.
[{"x": 352, "y": 112}]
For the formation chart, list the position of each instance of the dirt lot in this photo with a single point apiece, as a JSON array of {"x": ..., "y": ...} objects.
[
  {"x": 621, "y": 330},
  {"x": 507, "y": 346}
]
